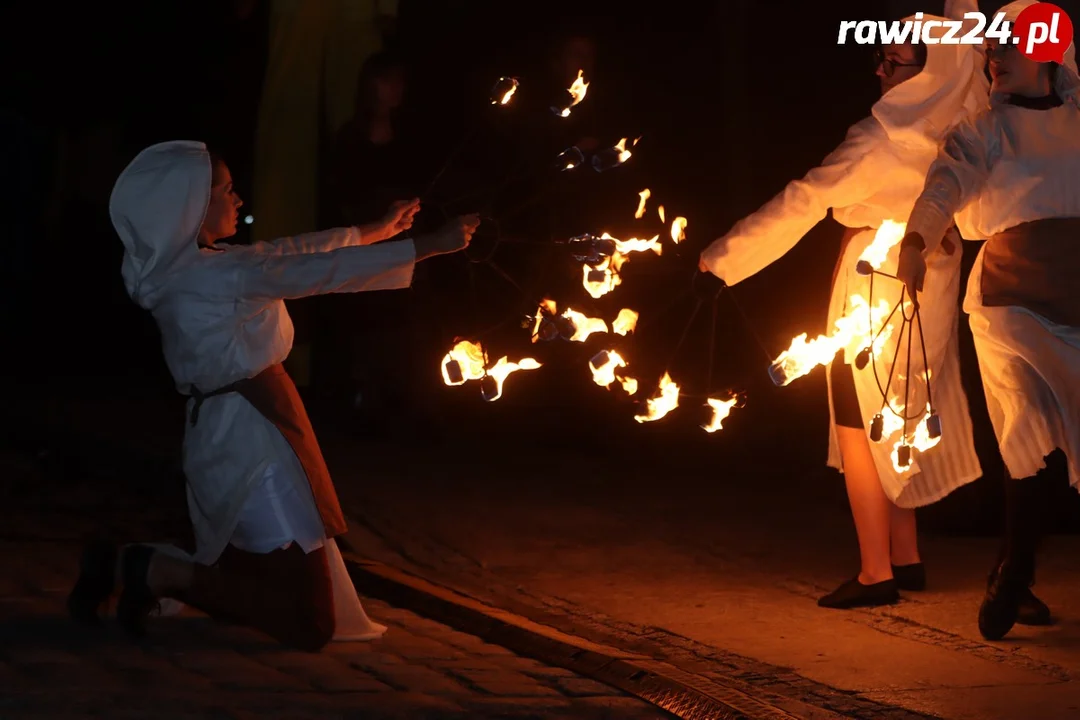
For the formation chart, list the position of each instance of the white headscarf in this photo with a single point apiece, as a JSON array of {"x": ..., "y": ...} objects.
[
  {"x": 1066, "y": 81},
  {"x": 950, "y": 88},
  {"x": 157, "y": 207}
]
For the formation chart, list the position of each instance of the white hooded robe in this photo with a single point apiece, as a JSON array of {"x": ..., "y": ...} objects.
[
  {"x": 875, "y": 175},
  {"x": 222, "y": 319}
]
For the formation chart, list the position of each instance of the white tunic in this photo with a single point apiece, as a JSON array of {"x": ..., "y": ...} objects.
[
  {"x": 875, "y": 175},
  {"x": 1013, "y": 165},
  {"x": 222, "y": 319}
]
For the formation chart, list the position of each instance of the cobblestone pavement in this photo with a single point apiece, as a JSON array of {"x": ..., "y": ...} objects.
[{"x": 193, "y": 667}]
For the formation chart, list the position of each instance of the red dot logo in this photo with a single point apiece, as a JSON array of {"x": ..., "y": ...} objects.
[{"x": 1043, "y": 32}]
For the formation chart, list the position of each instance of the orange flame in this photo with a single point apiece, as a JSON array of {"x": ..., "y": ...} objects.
[
  {"x": 660, "y": 210},
  {"x": 678, "y": 228},
  {"x": 577, "y": 93},
  {"x": 661, "y": 404},
  {"x": 501, "y": 369},
  {"x": 603, "y": 366},
  {"x": 721, "y": 409},
  {"x": 469, "y": 357},
  {"x": 605, "y": 277},
  {"x": 643, "y": 196},
  {"x": 584, "y": 326},
  {"x": 625, "y": 323}
]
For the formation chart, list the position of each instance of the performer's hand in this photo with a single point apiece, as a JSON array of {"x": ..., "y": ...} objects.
[
  {"x": 399, "y": 217},
  {"x": 911, "y": 268},
  {"x": 455, "y": 235}
]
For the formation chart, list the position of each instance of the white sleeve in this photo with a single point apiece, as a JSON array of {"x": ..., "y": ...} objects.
[
  {"x": 851, "y": 173},
  {"x": 384, "y": 266},
  {"x": 316, "y": 242},
  {"x": 959, "y": 172}
]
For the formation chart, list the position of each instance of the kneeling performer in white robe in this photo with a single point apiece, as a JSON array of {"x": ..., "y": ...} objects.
[{"x": 260, "y": 497}]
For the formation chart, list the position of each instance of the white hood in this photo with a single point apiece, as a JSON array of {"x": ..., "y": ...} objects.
[
  {"x": 157, "y": 207},
  {"x": 1067, "y": 82},
  {"x": 950, "y": 88}
]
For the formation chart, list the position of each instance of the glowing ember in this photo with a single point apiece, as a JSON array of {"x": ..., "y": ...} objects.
[
  {"x": 504, "y": 90},
  {"x": 464, "y": 362},
  {"x": 721, "y": 409},
  {"x": 660, "y": 210},
  {"x": 501, "y": 369},
  {"x": 612, "y": 157},
  {"x": 577, "y": 93},
  {"x": 643, "y": 196},
  {"x": 664, "y": 402},
  {"x": 678, "y": 230},
  {"x": 625, "y": 323}
]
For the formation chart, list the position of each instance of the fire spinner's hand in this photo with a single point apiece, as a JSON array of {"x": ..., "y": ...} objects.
[
  {"x": 911, "y": 268},
  {"x": 399, "y": 218},
  {"x": 457, "y": 233}
]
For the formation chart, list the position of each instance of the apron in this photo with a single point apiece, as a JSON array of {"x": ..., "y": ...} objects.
[
  {"x": 1035, "y": 265},
  {"x": 273, "y": 393}
]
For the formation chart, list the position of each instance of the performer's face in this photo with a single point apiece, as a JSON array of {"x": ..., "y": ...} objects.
[
  {"x": 222, "y": 213},
  {"x": 1012, "y": 73},
  {"x": 897, "y": 63}
]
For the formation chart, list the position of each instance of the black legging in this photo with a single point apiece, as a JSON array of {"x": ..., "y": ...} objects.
[{"x": 1024, "y": 520}]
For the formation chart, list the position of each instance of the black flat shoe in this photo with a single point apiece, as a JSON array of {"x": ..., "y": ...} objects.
[
  {"x": 136, "y": 601},
  {"x": 97, "y": 580},
  {"x": 1001, "y": 606},
  {"x": 853, "y": 594},
  {"x": 1031, "y": 610},
  {"x": 910, "y": 577}
]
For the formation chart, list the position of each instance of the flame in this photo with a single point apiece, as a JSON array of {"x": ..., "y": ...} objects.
[
  {"x": 721, "y": 409},
  {"x": 855, "y": 328},
  {"x": 886, "y": 237},
  {"x": 626, "y": 247},
  {"x": 919, "y": 438},
  {"x": 603, "y": 366},
  {"x": 678, "y": 228},
  {"x": 608, "y": 276},
  {"x": 661, "y": 211},
  {"x": 470, "y": 357},
  {"x": 643, "y": 195},
  {"x": 624, "y": 154},
  {"x": 625, "y": 323},
  {"x": 663, "y": 403},
  {"x": 501, "y": 369},
  {"x": 584, "y": 326},
  {"x": 509, "y": 94},
  {"x": 577, "y": 93}
]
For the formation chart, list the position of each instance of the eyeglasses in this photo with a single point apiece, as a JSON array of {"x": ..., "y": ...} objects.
[
  {"x": 889, "y": 66},
  {"x": 999, "y": 51}
]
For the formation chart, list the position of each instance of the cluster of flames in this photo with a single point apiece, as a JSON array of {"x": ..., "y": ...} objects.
[
  {"x": 467, "y": 360},
  {"x": 862, "y": 329}
]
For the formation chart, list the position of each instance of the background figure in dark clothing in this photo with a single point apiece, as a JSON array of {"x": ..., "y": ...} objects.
[{"x": 368, "y": 351}]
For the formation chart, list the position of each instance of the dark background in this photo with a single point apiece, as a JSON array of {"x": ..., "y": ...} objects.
[{"x": 732, "y": 100}]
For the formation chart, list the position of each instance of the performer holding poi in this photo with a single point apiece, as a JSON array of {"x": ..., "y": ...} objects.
[
  {"x": 260, "y": 497},
  {"x": 1011, "y": 176},
  {"x": 873, "y": 176}
]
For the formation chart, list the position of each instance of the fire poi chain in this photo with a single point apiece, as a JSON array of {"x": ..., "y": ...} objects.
[{"x": 866, "y": 328}]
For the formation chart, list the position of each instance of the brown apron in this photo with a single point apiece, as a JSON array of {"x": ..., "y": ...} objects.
[
  {"x": 1036, "y": 266},
  {"x": 273, "y": 393}
]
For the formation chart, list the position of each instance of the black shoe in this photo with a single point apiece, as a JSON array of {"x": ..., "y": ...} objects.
[
  {"x": 97, "y": 579},
  {"x": 136, "y": 601},
  {"x": 910, "y": 577},
  {"x": 1001, "y": 606},
  {"x": 1032, "y": 610},
  {"x": 853, "y": 594}
]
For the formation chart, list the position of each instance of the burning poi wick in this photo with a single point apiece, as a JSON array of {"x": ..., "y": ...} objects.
[
  {"x": 569, "y": 159},
  {"x": 612, "y": 157},
  {"x": 577, "y": 93},
  {"x": 504, "y": 89}
]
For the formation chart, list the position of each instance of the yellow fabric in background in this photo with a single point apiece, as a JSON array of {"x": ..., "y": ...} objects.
[{"x": 316, "y": 51}]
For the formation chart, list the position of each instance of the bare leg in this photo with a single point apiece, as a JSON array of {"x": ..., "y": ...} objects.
[
  {"x": 904, "y": 540},
  {"x": 869, "y": 505}
]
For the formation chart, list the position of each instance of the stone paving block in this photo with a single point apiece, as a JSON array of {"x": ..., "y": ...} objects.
[
  {"x": 227, "y": 668},
  {"x": 406, "y": 644},
  {"x": 322, "y": 672},
  {"x": 505, "y": 683},
  {"x": 417, "y": 678},
  {"x": 519, "y": 708}
]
